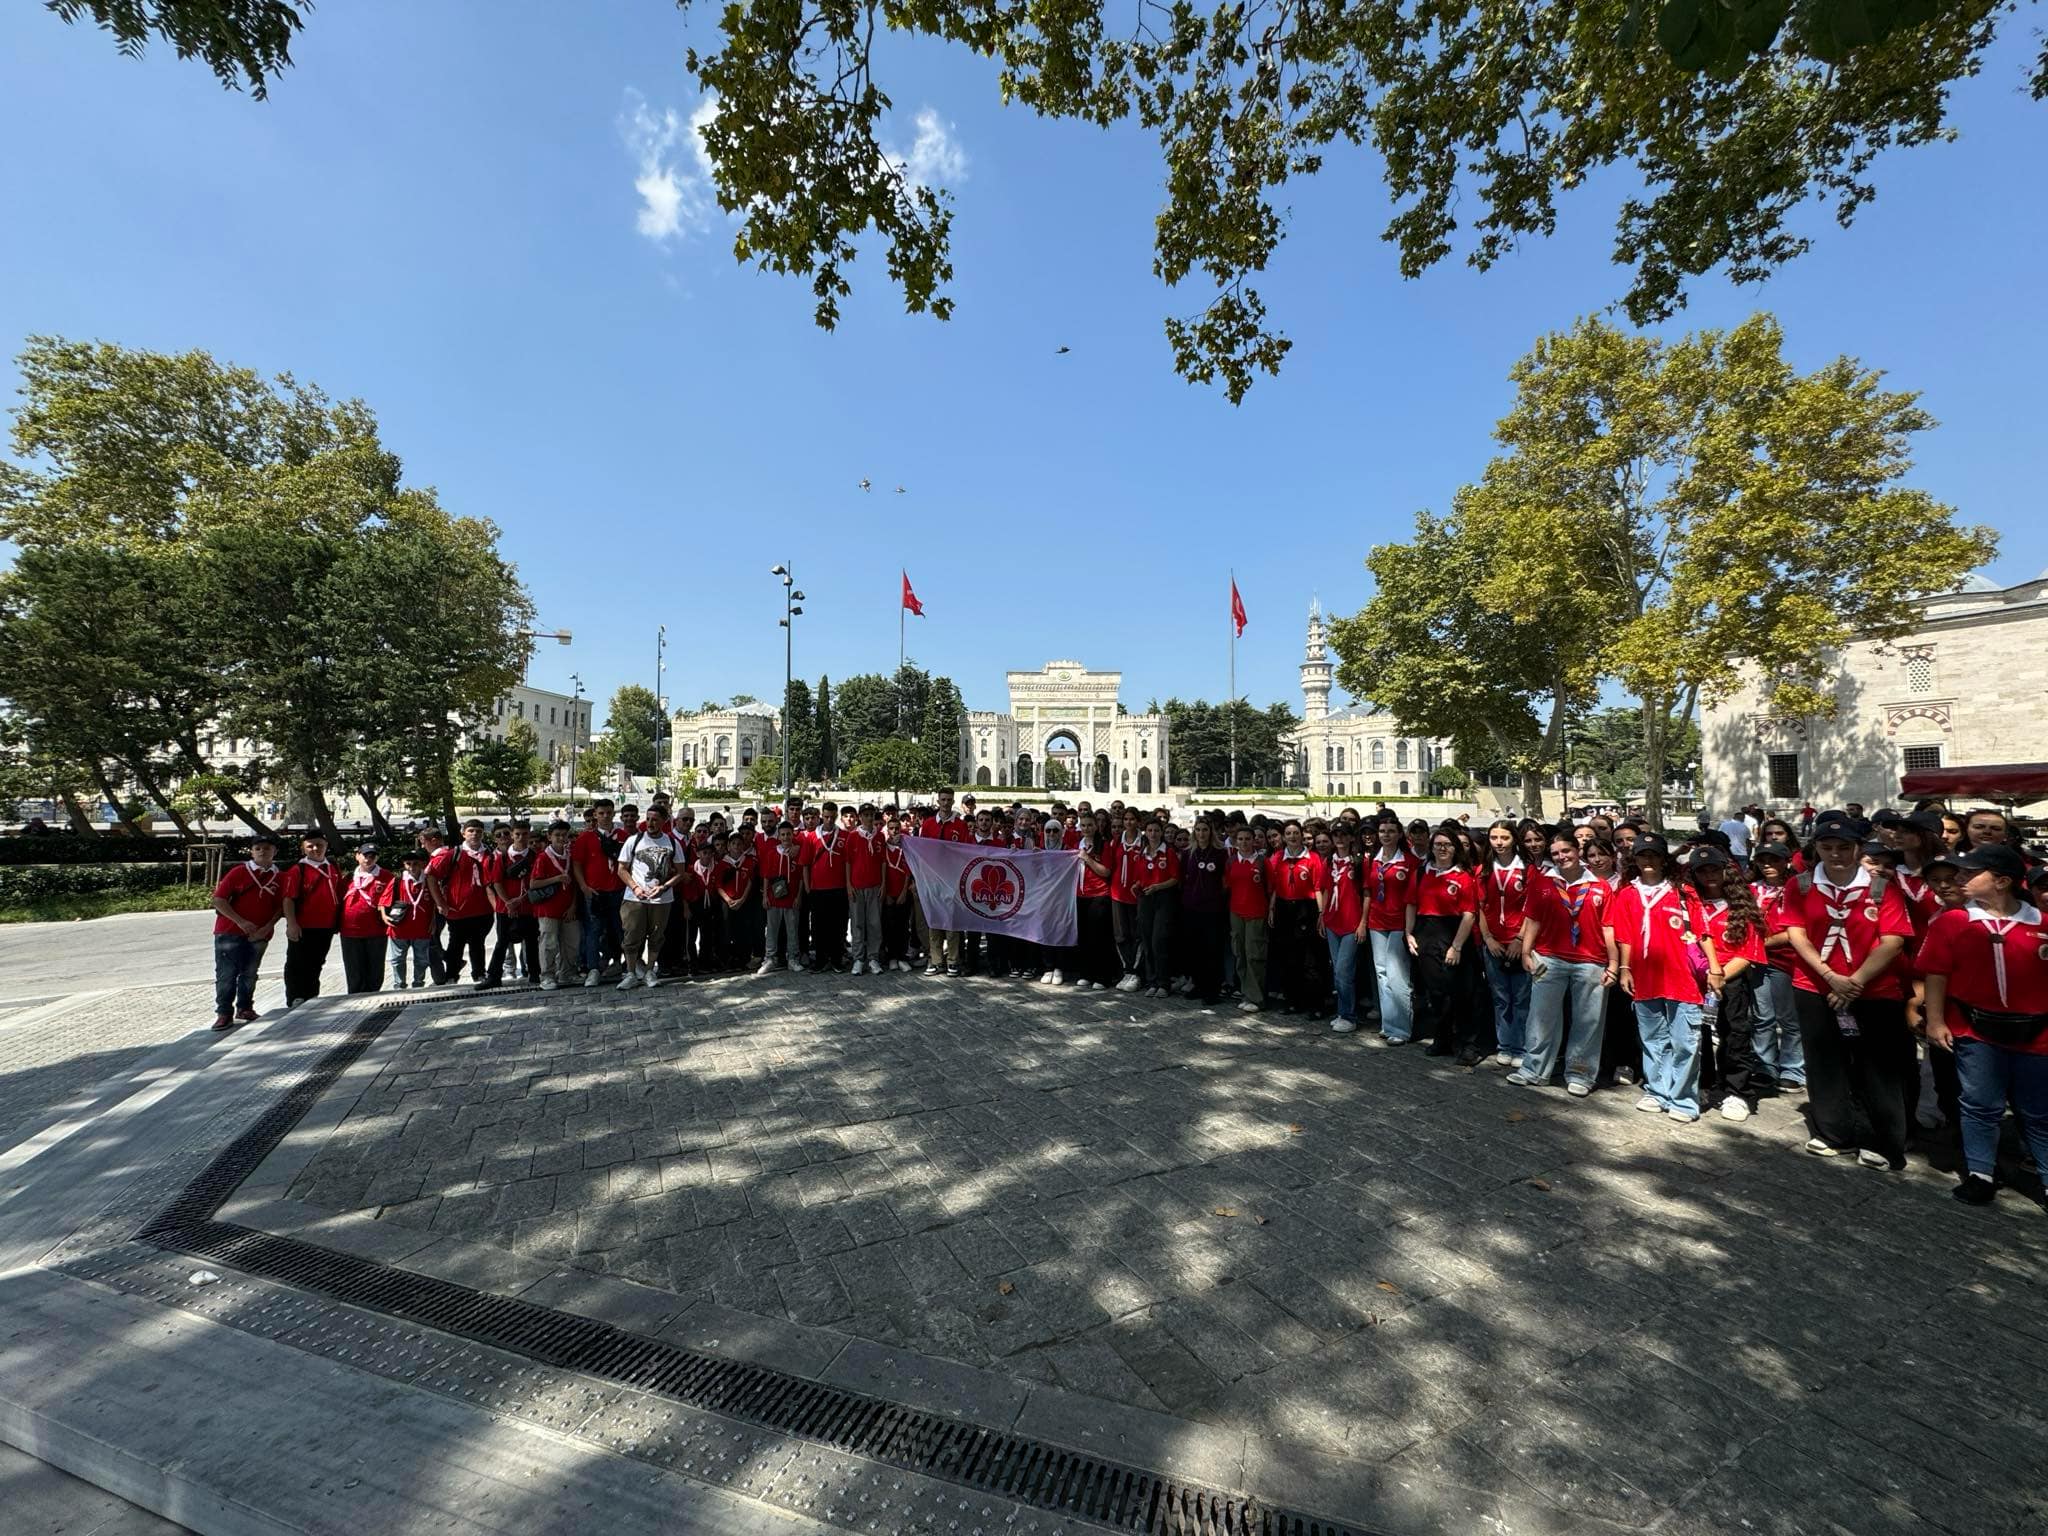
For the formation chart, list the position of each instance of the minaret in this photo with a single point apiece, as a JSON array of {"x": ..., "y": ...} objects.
[{"x": 1315, "y": 669}]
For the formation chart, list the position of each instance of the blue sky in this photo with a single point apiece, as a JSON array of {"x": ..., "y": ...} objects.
[{"x": 437, "y": 211}]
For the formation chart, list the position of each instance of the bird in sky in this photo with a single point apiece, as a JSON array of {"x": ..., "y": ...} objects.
[
  {"x": 864, "y": 483},
  {"x": 899, "y": 490},
  {"x": 1059, "y": 350}
]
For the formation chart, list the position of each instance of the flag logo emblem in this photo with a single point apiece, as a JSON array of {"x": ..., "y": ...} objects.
[{"x": 992, "y": 887}]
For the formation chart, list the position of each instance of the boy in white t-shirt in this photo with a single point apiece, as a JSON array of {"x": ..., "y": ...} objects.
[{"x": 651, "y": 862}]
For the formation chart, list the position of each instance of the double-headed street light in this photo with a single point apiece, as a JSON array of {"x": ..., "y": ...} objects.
[
  {"x": 790, "y": 598},
  {"x": 575, "y": 727}
]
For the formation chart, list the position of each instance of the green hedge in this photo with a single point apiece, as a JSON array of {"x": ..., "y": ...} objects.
[{"x": 23, "y": 885}]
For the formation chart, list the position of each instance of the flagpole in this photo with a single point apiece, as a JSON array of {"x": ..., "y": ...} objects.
[{"x": 1233, "y": 683}]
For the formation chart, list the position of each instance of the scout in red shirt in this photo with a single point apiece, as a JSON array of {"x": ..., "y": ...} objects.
[
  {"x": 897, "y": 883},
  {"x": 1849, "y": 928},
  {"x": 780, "y": 865},
  {"x": 1503, "y": 894},
  {"x": 551, "y": 896},
  {"x": 362, "y": 922},
  {"x": 408, "y": 910},
  {"x": 1446, "y": 911},
  {"x": 1251, "y": 911},
  {"x": 312, "y": 914},
  {"x": 1568, "y": 954},
  {"x": 1735, "y": 930},
  {"x": 1986, "y": 969},
  {"x": 1660, "y": 932},
  {"x": 1299, "y": 953},
  {"x": 247, "y": 903}
]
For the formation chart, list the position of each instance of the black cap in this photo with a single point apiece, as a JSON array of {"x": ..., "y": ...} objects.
[
  {"x": 1886, "y": 818},
  {"x": 1837, "y": 824},
  {"x": 1924, "y": 821},
  {"x": 1941, "y": 856},
  {"x": 1776, "y": 851},
  {"x": 369, "y": 848},
  {"x": 1706, "y": 856},
  {"x": 412, "y": 855},
  {"x": 1995, "y": 857},
  {"x": 1651, "y": 842},
  {"x": 262, "y": 838}
]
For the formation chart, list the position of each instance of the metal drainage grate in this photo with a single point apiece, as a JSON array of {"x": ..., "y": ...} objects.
[{"x": 1017, "y": 1468}]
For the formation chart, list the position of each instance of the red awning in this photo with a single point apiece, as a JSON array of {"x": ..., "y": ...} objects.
[{"x": 1992, "y": 781}]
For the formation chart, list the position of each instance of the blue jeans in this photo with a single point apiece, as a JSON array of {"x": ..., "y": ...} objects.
[
  {"x": 1671, "y": 1052},
  {"x": 421, "y": 951},
  {"x": 1510, "y": 985},
  {"x": 1989, "y": 1074},
  {"x": 1344, "y": 966},
  {"x": 1390, "y": 969},
  {"x": 1573, "y": 983},
  {"x": 603, "y": 936},
  {"x": 235, "y": 958},
  {"x": 1778, "y": 1045}
]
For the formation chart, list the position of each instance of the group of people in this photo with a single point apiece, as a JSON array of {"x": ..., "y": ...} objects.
[{"x": 1747, "y": 960}]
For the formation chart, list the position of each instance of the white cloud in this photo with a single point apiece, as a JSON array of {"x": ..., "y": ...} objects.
[
  {"x": 935, "y": 158},
  {"x": 675, "y": 196}
]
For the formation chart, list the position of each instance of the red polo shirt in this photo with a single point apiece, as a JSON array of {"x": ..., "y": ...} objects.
[
  {"x": 1120, "y": 854},
  {"x": 895, "y": 872},
  {"x": 1344, "y": 885},
  {"x": 1571, "y": 920},
  {"x": 1504, "y": 899},
  {"x": 597, "y": 862},
  {"x": 1655, "y": 934},
  {"x": 1447, "y": 892},
  {"x": 773, "y": 863},
  {"x": 1245, "y": 878},
  {"x": 463, "y": 880},
  {"x": 864, "y": 858},
  {"x": 1995, "y": 963},
  {"x": 1771, "y": 899},
  {"x": 418, "y": 922},
  {"x": 1751, "y": 948},
  {"x": 256, "y": 895},
  {"x": 1153, "y": 867},
  {"x": 1389, "y": 892},
  {"x": 317, "y": 891},
  {"x": 361, "y": 900},
  {"x": 546, "y": 865},
  {"x": 828, "y": 859},
  {"x": 1845, "y": 925},
  {"x": 1295, "y": 878},
  {"x": 1093, "y": 884},
  {"x": 952, "y": 830}
]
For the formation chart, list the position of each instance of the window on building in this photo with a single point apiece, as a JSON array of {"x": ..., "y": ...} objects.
[
  {"x": 746, "y": 751},
  {"x": 551, "y": 714},
  {"x": 1402, "y": 788},
  {"x": 1376, "y": 787},
  {"x": 1145, "y": 747},
  {"x": 1921, "y": 759},
  {"x": 1329, "y": 758},
  {"x": 1340, "y": 767},
  {"x": 499, "y": 712},
  {"x": 724, "y": 751},
  {"x": 1784, "y": 769},
  {"x": 984, "y": 746},
  {"x": 1379, "y": 756},
  {"x": 1401, "y": 755},
  {"x": 1920, "y": 672}
]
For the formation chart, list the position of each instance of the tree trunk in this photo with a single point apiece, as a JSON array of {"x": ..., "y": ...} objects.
[
  {"x": 155, "y": 791},
  {"x": 80, "y": 821},
  {"x": 378, "y": 820},
  {"x": 323, "y": 815},
  {"x": 122, "y": 824},
  {"x": 1654, "y": 740},
  {"x": 188, "y": 751}
]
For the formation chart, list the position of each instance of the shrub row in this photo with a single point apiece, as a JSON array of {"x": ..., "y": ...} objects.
[{"x": 23, "y": 885}]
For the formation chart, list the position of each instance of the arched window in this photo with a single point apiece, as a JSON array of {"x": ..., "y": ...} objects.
[
  {"x": 1400, "y": 754},
  {"x": 984, "y": 746},
  {"x": 1024, "y": 769},
  {"x": 1340, "y": 764},
  {"x": 1127, "y": 746},
  {"x": 1404, "y": 787},
  {"x": 981, "y": 774},
  {"x": 1376, "y": 786},
  {"x": 1102, "y": 773},
  {"x": 1329, "y": 757},
  {"x": 1144, "y": 746},
  {"x": 1144, "y": 781},
  {"x": 724, "y": 750},
  {"x": 746, "y": 751},
  {"x": 1379, "y": 755},
  {"x": 1127, "y": 781}
]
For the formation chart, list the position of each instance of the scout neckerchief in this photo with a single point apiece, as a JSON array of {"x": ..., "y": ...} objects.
[
  {"x": 363, "y": 877},
  {"x": 264, "y": 879},
  {"x": 409, "y": 890},
  {"x": 1380, "y": 866},
  {"x": 1650, "y": 896},
  {"x": 1839, "y": 901},
  {"x": 1287, "y": 876},
  {"x": 1572, "y": 904},
  {"x": 1998, "y": 927},
  {"x": 1506, "y": 877}
]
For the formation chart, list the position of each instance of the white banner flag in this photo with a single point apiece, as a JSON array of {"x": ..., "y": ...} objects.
[{"x": 977, "y": 888}]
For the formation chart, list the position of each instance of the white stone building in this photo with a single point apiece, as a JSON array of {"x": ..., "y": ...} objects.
[
  {"x": 1065, "y": 714},
  {"x": 1357, "y": 753},
  {"x": 722, "y": 744},
  {"x": 560, "y": 720},
  {"x": 1967, "y": 686}
]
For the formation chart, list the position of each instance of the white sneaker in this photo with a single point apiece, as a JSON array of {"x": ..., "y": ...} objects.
[
  {"x": 1733, "y": 1108},
  {"x": 1343, "y": 1027},
  {"x": 1507, "y": 1058},
  {"x": 902, "y": 965},
  {"x": 765, "y": 969},
  {"x": 1648, "y": 1104},
  {"x": 1096, "y": 986},
  {"x": 629, "y": 981},
  {"x": 1247, "y": 1007},
  {"x": 548, "y": 983},
  {"x": 1819, "y": 1148},
  {"x": 1129, "y": 983},
  {"x": 1047, "y": 978},
  {"x": 1870, "y": 1159},
  {"x": 1577, "y": 1090},
  {"x": 591, "y": 978},
  {"x": 797, "y": 965},
  {"x": 653, "y": 980}
]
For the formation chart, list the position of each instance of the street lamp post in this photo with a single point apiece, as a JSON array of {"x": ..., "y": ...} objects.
[
  {"x": 790, "y": 598},
  {"x": 660, "y": 708},
  {"x": 575, "y": 727},
  {"x": 561, "y": 635}
]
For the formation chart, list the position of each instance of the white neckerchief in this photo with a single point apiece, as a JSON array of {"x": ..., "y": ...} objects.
[
  {"x": 1999, "y": 927},
  {"x": 1650, "y": 895},
  {"x": 319, "y": 864},
  {"x": 1838, "y": 901},
  {"x": 409, "y": 887},
  {"x": 363, "y": 877},
  {"x": 266, "y": 879}
]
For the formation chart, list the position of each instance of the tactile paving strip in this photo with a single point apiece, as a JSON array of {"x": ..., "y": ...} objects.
[{"x": 843, "y": 1457}]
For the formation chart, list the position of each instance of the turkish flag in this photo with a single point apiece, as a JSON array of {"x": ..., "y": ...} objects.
[
  {"x": 910, "y": 598},
  {"x": 1236, "y": 606}
]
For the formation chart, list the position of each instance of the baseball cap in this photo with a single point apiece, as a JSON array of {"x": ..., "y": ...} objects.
[
  {"x": 1837, "y": 824},
  {"x": 1996, "y": 858}
]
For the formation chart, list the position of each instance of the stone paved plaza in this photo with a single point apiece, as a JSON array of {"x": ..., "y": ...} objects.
[{"x": 1400, "y": 1281}]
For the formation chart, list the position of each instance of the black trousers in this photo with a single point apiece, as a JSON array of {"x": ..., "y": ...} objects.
[
  {"x": 707, "y": 936},
  {"x": 895, "y": 931},
  {"x": 466, "y": 936},
  {"x": 1444, "y": 1011},
  {"x": 515, "y": 928},
  {"x": 437, "y": 949},
  {"x": 1156, "y": 913},
  {"x": 1123, "y": 928},
  {"x": 1736, "y": 1068},
  {"x": 828, "y": 927},
  {"x": 362, "y": 962},
  {"x": 1621, "y": 1042},
  {"x": 1856, "y": 1084},
  {"x": 1298, "y": 956},
  {"x": 674, "y": 959},
  {"x": 1208, "y": 942},
  {"x": 1095, "y": 942},
  {"x": 303, "y": 959}
]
